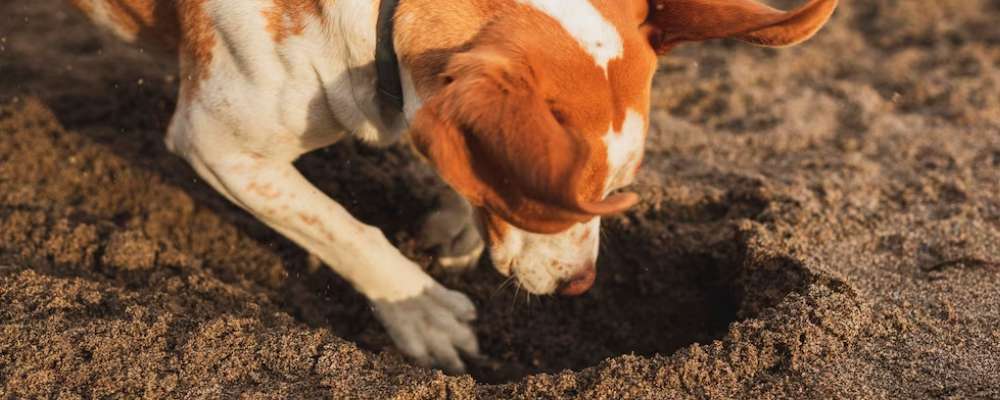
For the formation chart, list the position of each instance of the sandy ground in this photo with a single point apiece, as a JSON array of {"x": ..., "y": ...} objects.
[{"x": 817, "y": 222}]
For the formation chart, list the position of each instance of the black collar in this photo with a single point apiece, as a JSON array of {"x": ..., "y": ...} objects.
[{"x": 389, "y": 88}]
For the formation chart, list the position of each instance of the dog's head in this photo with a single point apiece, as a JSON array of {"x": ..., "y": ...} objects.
[{"x": 543, "y": 118}]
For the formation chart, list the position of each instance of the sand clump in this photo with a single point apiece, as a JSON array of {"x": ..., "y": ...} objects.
[{"x": 817, "y": 222}]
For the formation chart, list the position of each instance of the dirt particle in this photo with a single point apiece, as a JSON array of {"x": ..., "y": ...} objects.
[{"x": 130, "y": 251}]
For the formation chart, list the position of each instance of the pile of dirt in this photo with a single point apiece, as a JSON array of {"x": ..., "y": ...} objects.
[{"x": 817, "y": 222}]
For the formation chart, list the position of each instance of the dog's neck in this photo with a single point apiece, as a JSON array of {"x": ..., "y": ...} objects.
[
  {"x": 425, "y": 35},
  {"x": 424, "y": 51}
]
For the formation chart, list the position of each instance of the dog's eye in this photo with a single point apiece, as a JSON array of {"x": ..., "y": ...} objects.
[
  {"x": 559, "y": 116},
  {"x": 557, "y": 113}
]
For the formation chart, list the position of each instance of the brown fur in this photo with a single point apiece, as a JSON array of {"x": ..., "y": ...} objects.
[
  {"x": 197, "y": 41},
  {"x": 676, "y": 21},
  {"x": 513, "y": 122},
  {"x": 288, "y": 17},
  {"x": 521, "y": 137},
  {"x": 87, "y": 6},
  {"x": 504, "y": 132},
  {"x": 519, "y": 128}
]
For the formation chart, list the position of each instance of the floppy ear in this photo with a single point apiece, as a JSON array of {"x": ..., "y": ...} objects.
[
  {"x": 475, "y": 130},
  {"x": 674, "y": 21},
  {"x": 445, "y": 146},
  {"x": 493, "y": 138}
]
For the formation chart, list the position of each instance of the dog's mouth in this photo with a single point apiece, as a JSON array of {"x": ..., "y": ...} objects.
[
  {"x": 542, "y": 281},
  {"x": 509, "y": 269},
  {"x": 532, "y": 286},
  {"x": 504, "y": 267}
]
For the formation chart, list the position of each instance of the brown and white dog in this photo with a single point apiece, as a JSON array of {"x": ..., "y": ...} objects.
[{"x": 533, "y": 111}]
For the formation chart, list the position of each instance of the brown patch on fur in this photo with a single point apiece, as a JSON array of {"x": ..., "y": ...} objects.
[
  {"x": 145, "y": 20},
  {"x": 632, "y": 73},
  {"x": 676, "y": 21},
  {"x": 517, "y": 125},
  {"x": 309, "y": 219},
  {"x": 197, "y": 41},
  {"x": 131, "y": 15},
  {"x": 87, "y": 6},
  {"x": 265, "y": 190},
  {"x": 287, "y": 18},
  {"x": 149, "y": 19},
  {"x": 427, "y": 55},
  {"x": 501, "y": 160},
  {"x": 496, "y": 228}
]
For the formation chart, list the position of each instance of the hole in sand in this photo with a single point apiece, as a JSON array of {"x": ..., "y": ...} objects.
[
  {"x": 666, "y": 279},
  {"x": 658, "y": 290},
  {"x": 640, "y": 304}
]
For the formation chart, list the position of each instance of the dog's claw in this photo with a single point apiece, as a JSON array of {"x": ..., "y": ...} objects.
[
  {"x": 463, "y": 261},
  {"x": 449, "y": 231},
  {"x": 432, "y": 328}
]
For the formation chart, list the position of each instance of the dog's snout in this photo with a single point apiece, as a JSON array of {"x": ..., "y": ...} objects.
[{"x": 580, "y": 282}]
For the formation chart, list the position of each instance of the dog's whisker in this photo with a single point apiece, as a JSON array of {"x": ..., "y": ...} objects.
[
  {"x": 511, "y": 282},
  {"x": 501, "y": 286},
  {"x": 541, "y": 300},
  {"x": 517, "y": 291},
  {"x": 538, "y": 298}
]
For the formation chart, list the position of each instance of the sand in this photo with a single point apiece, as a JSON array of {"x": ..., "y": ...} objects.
[{"x": 817, "y": 222}]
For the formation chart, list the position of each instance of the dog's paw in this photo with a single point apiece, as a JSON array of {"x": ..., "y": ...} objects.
[
  {"x": 450, "y": 232},
  {"x": 432, "y": 328}
]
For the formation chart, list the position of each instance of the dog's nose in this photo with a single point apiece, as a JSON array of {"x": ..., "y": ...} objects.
[{"x": 581, "y": 282}]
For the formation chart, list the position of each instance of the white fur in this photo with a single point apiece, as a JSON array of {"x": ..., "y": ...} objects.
[
  {"x": 586, "y": 24},
  {"x": 263, "y": 105},
  {"x": 542, "y": 262},
  {"x": 413, "y": 102},
  {"x": 266, "y": 103},
  {"x": 624, "y": 150}
]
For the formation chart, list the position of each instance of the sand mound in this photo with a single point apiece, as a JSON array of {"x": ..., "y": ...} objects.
[{"x": 822, "y": 221}]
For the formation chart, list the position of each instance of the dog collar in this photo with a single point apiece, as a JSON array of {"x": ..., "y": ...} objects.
[{"x": 389, "y": 91}]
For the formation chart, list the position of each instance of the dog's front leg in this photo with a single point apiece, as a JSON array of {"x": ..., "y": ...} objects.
[{"x": 427, "y": 322}]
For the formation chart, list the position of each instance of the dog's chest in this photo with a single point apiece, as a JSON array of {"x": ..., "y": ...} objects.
[
  {"x": 291, "y": 75},
  {"x": 297, "y": 71}
]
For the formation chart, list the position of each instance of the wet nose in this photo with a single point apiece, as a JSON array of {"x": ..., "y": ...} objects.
[{"x": 581, "y": 282}]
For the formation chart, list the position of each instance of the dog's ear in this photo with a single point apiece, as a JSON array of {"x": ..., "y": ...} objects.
[
  {"x": 674, "y": 21},
  {"x": 491, "y": 136}
]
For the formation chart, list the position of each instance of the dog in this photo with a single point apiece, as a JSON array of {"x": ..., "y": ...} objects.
[{"x": 533, "y": 112}]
